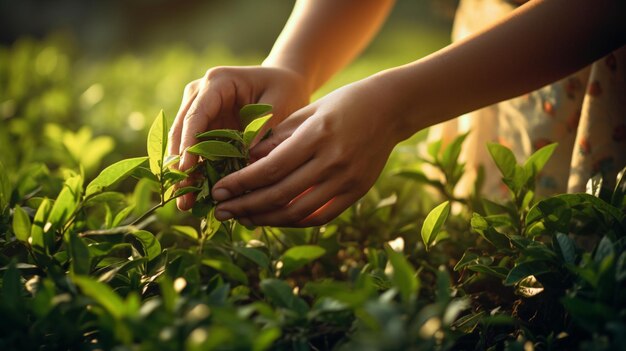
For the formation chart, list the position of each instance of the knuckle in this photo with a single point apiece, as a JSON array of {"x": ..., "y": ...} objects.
[
  {"x": 216, "y": 72},
  {"x": 293, "y": 214},
  {"x": 272, "y": 171},
  {"x": 191, "y": 87},
  {"x": 278, "y": 198}
]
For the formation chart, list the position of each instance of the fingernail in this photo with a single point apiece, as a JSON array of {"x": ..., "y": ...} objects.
[
  {"x": 221, "y": 194},
  {"x": 223, "y": 215},
  {"x": 182, "y": 203},
  {"x": 245, "y": 222}
]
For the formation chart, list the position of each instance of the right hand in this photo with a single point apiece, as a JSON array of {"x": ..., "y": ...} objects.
[{"x": 214, "y": 100}]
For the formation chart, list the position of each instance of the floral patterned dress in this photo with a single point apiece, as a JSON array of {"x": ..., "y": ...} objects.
[{"x": 585, "y": 113}]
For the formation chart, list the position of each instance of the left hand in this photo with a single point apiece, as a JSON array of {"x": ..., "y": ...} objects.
[{"x": 317, "y": 162}]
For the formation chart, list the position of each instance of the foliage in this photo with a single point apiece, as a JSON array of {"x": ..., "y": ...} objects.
[{"x": 92, "y": 259}]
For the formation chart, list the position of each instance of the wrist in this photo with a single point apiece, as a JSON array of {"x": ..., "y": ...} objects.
[
  {"x": 400, "y": 97},
  {"x": 297, "y": 72}
]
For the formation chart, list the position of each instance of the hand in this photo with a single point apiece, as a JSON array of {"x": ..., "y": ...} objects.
[
  {"x": 214, "y": 101},
  {"x": 317, "y": 163}
]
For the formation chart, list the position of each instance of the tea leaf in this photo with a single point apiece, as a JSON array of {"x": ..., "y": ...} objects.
[
  {"x": 188, "y": 231},
  {"x": 113, "y": 174},
  {"x": 21, "y": 224},
  {"x": 5, "y": 188},
  {"x": 232, "y": 271},
  {"x": 222, "y": 133},
  {"x": 468, "y": 258},
  {"x": 538, "y": 159},
  {"x": 102, "y": 294},
  {"x": 299, "y": 256},
  {"x": 11, "y": 287},
  {"x": 254, "y": 255},
  {"x": 568, "y": 250},
  {"x": 157, "y": 143},
  {"x": 433, "y": 223},
  {"x": 39, "y": 222},
  {"x": 525, "y": 269},
  {"x": 150, "y": 244},
  {"x": 604, "y": 249},
  {"x": 65, "y": 203},
  {"x": 79, "y": 252},
  {"x": 504, "y": 159},
  {"x": 403, "y": 277},
  {"x": 251, "y": 112},
  {"x": 253, "y": 129},
  {"x": 214, "y": 150},
  {"x": 281, "y": 295}
]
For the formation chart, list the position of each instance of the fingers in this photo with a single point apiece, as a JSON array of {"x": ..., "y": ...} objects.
[
  {"x": 330, "y": 210},
  {"x": 284, "y": 159},
  {"x": 189, "y": 95},
  {"x": 300, "y": 209},
  {"x": 270, "y": 198},
  {"x": 279, "y": 133}
]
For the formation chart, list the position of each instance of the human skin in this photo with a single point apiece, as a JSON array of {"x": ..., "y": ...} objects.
[
  {"x": 326, "y": 155},
  {"x": 320, "y": 38}
]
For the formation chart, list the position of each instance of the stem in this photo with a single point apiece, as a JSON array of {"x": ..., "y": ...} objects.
[
  {"x": 149, "y": 212},
  {"x": 118, "y": 230}
]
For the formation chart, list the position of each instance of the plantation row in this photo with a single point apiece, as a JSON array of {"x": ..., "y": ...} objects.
[{"x": 82, "y": 270}]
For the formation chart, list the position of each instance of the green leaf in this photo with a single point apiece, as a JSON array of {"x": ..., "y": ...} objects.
[
  {"x": 525, "y": 269},
  {"x": 567, "y": 248},
  {"x": 101, "y": 294},
  {"x": 150, "y": 244},
  {"x": 251, "y": 112},
  {"x": 229, "y": 134},
  {"x": 299, "y": 256},
  {"x": 114, "y": 174},
  {"x": 433, "y": 149},
  {"x": 253, "y": 129},
  {"x": 604, "y": 249},
  {"x": 5, "y": 188},
  {"x": 170, "y": 160},
  {"x": 617, "y": 199},
  {"x": 65, "y": 203},
  {"x": 79, "y": 252},
  {"x": 214, "y": 150},
  {"x": 11, "y": 287},
  {"x": 419, "y": 177},
  {"x": 450, "y": 154},
  {"x": 232, "y": 271},
  {"x": 255, "y": 255},
  {"x": 504, "y": 159},
  {"x": 279, "y": 293},
  {"x": 537, "y": 160},
  {"x": 21, "y": 224},
  {"x": 39, "y": 222},
  {"x": 121, "y": 216},
  {"x": 188, "y": 231},
  {"x": 498, "y": 272},
  {"x": 403, "y": 277},
  {"x": 157, "y": 143},
  {"x": 434, "y": 222},
  {"x": 186, "y": 190},
  {"x": 468, "y": 258}
]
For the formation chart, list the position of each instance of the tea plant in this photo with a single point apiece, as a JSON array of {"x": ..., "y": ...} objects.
[{"x": 88, "y": 267}]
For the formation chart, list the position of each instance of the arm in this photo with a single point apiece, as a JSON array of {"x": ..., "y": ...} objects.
[
  {"x": 320, "y": 37},
  {"x": 541, "y": 42},
  {"x": 327, "y": 155}
]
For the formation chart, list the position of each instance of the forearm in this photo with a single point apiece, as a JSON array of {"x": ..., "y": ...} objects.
[
  {"x": 539, "y": 43},
  {"x": 322, "y": 36}
]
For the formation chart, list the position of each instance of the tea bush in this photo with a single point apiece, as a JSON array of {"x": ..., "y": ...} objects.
[{"x": 96, "y": 260}]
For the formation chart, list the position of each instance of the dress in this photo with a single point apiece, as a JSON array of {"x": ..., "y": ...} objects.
[{"x": 585, "y": 113}]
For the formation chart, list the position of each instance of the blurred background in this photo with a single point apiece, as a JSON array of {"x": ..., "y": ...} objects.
[{"x": 82, "y": 80}]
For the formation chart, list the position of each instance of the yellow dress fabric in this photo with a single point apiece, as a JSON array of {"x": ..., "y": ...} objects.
[{"x": 585, "y": 113}]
